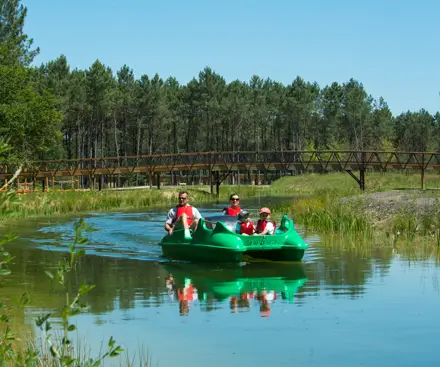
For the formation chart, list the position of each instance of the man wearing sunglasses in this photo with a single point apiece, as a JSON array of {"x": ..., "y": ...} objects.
[
  {"x": 234, "y": 209},
  {"x": 183, "y": 213}
]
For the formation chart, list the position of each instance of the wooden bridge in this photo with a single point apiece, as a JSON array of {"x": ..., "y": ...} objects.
[{"x": 218, "y": 165}]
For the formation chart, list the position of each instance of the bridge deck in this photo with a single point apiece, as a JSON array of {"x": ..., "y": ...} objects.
[{"x": 227, "y": 161}]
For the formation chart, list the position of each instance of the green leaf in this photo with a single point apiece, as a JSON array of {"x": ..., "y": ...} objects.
[
  {"x": 83, "y": 240},
  {"x": 85, "y": 288},
  {"x": 71, "y": 327},
  {"x": 40, "y": 320},
  {"x": 5, "y": 272},
  {"x": 25, "y": 299},
  {"x": 111, "y": 342},
  {"x": 49, "y": 274}
]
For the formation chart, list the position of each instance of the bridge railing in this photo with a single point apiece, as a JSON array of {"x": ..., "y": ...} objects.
[{"x": 303, "y": 160}]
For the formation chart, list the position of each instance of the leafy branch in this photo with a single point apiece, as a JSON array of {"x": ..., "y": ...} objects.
[{"x": 61, "y": 350}]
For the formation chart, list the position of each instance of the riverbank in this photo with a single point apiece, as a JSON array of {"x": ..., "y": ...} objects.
[
  {"x": 16, "y": 207},
  {"x": 392, "y": 208}
]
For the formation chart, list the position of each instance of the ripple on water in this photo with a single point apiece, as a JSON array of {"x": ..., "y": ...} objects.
[
  {"x": 122, "y": 234},
  {"x": 131, "y": 235}
]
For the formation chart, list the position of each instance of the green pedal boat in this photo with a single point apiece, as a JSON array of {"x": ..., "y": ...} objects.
[{"x": 215, "y": 240}]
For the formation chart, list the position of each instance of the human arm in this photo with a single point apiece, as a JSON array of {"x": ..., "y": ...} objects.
[
  {"x": 169, "y": 222},
  {"x": 269, "y": 229}
]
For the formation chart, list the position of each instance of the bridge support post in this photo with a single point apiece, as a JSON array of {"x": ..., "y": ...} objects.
[
  {"x": 360, "y": 180},
  {"x": 158, "y": 180},
  {"x": 217, "y": 183},
  {"x": 422, "y": 173},
  {"x": 46, "y": 184}
]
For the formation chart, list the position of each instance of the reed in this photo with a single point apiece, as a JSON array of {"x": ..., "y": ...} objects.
[
  {"x": 59, "y": 203},
  {"x": 332, "y": 204}
]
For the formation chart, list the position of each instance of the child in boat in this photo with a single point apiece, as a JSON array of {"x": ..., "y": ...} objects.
[
  {"x": 265, "y": 225},
  {"x": 245, "y": 226}
]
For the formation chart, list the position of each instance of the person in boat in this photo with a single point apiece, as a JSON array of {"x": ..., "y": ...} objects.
[
  {"x": 183, "y": 214},
  {"x": 234, "y": 208},
  {"x": 245, "y": 226},
  {"x": 265, "y": 225}
]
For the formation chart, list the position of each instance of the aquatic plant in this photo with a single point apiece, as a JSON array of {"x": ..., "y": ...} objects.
[{"x": 62, "y": 351}]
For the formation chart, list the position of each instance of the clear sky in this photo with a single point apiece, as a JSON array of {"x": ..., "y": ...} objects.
[{"x": 391, "y": 46}]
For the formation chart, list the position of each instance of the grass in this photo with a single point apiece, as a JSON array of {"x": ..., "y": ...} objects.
[
  {"x": 317, "y": 202},
  {"x": 59, "y": 203},
  {"x": 333, "y": 204}
]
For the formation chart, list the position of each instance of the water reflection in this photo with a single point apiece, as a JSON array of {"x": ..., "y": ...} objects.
[
  {"x": 125, "y": 280},
  {"x": 340, "y": 295},
  {"x": 242, "y": 286}
]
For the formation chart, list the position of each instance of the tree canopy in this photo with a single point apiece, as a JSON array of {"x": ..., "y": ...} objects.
[{"x": 51, "y": 111}]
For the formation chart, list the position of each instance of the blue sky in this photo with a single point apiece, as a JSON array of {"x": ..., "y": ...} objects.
[{"x": 390, "y": 46}]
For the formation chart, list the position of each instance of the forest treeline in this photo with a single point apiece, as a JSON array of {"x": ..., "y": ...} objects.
[{"x": 53, "y": 111}]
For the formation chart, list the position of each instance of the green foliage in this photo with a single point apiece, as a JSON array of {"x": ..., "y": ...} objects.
[
  {"x": 8, "y": 337},
  {"x": 26, "y": 116},
  {"x": 52, "y": 111},
  {"x": 15, "y": 46},
  {"x": 61, "y": 349}
]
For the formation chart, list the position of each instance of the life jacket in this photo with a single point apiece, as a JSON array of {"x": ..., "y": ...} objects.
[
  {"x": 261, "y": 225},
  {"x": 188, "y": 210},
  {"x": 232, "y": 211},
  {"x": 247, "y": 228},
  {"x": 187, "y": 293}
]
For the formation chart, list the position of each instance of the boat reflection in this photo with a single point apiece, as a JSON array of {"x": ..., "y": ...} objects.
[{"x": 251, "y": 285}]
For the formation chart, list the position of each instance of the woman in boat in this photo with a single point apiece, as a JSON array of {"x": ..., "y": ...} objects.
[
  {"x": 265, "y": 225},
  {"x": 234, "y": 209},
  {"x": 245, "y": 226}
]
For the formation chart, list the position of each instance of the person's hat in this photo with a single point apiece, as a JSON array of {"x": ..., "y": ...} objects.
[
  {"x": 243, "y": 214},
  {"x": 264, "y": 210}
]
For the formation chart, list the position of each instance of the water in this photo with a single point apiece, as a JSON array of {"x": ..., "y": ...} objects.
[{"x": 336, "y": 308}]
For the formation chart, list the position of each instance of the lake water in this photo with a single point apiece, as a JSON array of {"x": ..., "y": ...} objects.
[{"x": 336, "y": 308}]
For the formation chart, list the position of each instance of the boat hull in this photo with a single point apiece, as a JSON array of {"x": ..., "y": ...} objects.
[
  {"x": 221, "y": 245},
  {"x": 190, "y": 252},
  {"x": 277, "y": 254}
]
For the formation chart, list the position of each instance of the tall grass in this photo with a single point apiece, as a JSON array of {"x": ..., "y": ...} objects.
[
  {"x": 323, "y": 212},
  {"x": 59, "y": 203},
  {"x": 327, "y": 203},
  {"x": 333, "y": 204}
]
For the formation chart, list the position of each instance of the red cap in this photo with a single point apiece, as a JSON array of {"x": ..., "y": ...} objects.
[{"x": 264, "y": 210}]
